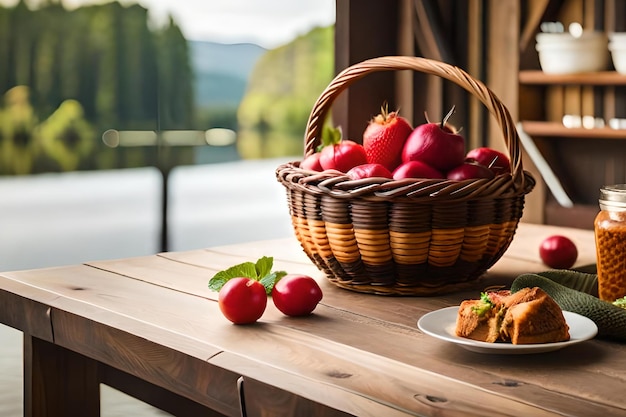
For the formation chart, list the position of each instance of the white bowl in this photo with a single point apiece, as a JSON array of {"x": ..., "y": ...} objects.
[
  {"x": 562, "y": 53},
  {"x": 618, "y": 55},
  {"x": 545, "y": 38},
  {"x": 618, "y": 38}
]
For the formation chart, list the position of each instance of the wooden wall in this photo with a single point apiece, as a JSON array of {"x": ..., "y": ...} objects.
[{"x": 492, "y": 40}]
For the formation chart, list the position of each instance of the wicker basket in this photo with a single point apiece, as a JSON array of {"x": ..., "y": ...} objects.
[{"x": 405, "y": 237}]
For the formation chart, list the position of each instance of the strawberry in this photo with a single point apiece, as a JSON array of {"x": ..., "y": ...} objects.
[
  {"x": 384, "y": 138},
  {"x": 339, "y": 154}
]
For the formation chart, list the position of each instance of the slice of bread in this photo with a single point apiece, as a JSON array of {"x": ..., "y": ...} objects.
[
  {"x": 527, "y": 316},
  {"x": 472, "y": 325},
  {"x": 536, "y": 318}
]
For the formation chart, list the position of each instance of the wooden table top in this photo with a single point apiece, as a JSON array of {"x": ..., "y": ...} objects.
[{"x": 362, "y": 354}]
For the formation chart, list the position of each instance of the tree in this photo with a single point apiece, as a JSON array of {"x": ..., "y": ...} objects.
[
  {"x": 281, "y": 92},
  {"x": 105, "y": 57}
]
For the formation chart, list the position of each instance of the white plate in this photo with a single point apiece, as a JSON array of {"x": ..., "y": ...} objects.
[{"x": 441, "y": 324}]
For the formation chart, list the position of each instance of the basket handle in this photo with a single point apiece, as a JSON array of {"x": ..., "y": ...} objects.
[{"x": 392, "y": 63}]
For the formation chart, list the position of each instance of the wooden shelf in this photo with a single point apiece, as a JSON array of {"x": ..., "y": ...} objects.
[
  {"x": 537, "y": 77},
  {"x": 555, "y": 129}
]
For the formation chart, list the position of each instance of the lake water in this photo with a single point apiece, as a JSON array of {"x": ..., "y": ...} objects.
[{"x": 69, "y": 218}]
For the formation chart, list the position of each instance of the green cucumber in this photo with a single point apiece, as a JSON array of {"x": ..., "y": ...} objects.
[{"x": 610, "y": 319}]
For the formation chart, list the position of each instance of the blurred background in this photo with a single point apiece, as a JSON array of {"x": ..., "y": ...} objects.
[
  {"x": 132, "y": 127},
  {"x": 145, "y": 113}
]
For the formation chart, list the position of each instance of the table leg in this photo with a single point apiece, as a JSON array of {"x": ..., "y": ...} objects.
[{"x": 58, "y": 381}]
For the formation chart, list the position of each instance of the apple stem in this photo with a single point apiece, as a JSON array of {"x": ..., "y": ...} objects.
[{"x": 447, "y": 116}]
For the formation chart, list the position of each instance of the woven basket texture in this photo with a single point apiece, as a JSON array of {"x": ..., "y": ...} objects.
[{"x": 413, "y": 237}]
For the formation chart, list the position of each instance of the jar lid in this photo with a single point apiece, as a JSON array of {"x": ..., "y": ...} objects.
[{"x": 613, "y": 194}]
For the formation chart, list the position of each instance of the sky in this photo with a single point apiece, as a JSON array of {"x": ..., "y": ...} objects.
[{"x": 269, "y": 23}]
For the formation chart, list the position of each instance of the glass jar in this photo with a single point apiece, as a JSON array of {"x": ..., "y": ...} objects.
[{"x": 610, "y": 233}]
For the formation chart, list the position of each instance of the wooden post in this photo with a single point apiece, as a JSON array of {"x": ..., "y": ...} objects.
[
  {"x": 58, "y": 382},
  {"x": 364, "y": 29}
]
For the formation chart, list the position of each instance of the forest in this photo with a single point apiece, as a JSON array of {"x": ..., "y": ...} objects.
[{"x": 68, "y": 76}]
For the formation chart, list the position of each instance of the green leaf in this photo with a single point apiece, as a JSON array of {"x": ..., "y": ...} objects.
[
  {"x": 246, "y": 270},
  {"x": 217, "y": 282},
  {"x": 270, "y": 280},
  {"x": 264, "y": 266},
  {"x": 330, "y": 136},
  {"x": 260, "y": 271}
]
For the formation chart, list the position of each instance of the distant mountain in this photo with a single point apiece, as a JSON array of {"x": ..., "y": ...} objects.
[{"x": 222, "y": 71}]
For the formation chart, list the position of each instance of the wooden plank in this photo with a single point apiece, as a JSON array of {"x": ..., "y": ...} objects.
[
  {"x": 475, "y": 67},
  {"x": 431, "y": 395},
  {"x": 555, "y": 104},
  {"x": 20, "y": 312},
  {"x": 168, "y": 273},
  {"x": 588, "y": 103},
  {"x": 600, "y": 24},
  {"x": 589, "y": 22},
  {"x": 434, "y": 97},
  {"x": 154, "y": 395},
  {"x": 609, "y": 96},
  {"x": 602, "y": 78},
  {"x": 262, "y": 399},
  {"x": 555, "y": 129},
  {"x": 199, "y": 266},
  {"x": 283, "y": 391},
  {"x": 406, "y": 47},
  {"x": 503, "y": 60},
  {"x": 177, "y": 372},
  {"x": 456, "y": 28},
  {"x": 572, "y": 98},
  {"x": 85, "y": 290},
  {"x": 502, "y": 68},
  {"x": 572, "y": 12}
]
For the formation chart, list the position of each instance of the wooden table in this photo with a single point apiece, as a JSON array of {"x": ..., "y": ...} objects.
[{"x": 149, "y": 326}]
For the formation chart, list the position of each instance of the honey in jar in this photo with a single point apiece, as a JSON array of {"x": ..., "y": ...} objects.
[{"x": 610, "y": 233}]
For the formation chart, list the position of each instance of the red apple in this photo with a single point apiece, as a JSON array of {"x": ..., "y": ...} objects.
[
  {"x": 492, "y": 159},
  {"x": 469, "y": 170},
  {"x": 312, "y": 162},
  {"x": 558, "y": 252},
  {"x": 437, "y": 144},
  {"x": 342, "y": 155},
  {"x": 368, "y": 171},
  {"x": 416, "y": 169}
]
